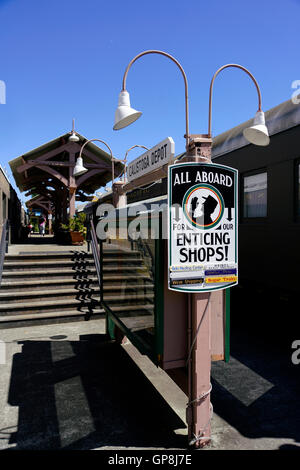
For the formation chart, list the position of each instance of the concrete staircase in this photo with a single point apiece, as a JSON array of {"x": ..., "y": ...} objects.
[{"x": 63, "y": 286}]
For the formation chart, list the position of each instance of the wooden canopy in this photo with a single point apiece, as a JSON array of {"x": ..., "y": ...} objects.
[{"x": 47, "y": 172}]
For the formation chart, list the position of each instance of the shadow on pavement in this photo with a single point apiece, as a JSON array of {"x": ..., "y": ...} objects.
[
  {"x": 87, "y": 394},
  {"x": 258, "y": 391}
]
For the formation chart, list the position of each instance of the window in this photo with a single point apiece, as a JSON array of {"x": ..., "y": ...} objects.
[{"x": 255, "y": 195}]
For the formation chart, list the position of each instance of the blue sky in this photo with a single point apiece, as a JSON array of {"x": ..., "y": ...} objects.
[{"x": 65, "y": 59}]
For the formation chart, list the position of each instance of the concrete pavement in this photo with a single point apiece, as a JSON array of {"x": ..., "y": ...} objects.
[{"x": 66, "y": 386}]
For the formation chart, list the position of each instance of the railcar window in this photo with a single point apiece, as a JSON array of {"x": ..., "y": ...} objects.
[{"x": 255, "y": 195}]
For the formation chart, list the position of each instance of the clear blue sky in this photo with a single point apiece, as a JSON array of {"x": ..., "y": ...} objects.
[{"x": 65, "y": 59}]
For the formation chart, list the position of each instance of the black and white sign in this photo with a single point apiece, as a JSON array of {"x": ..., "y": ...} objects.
[
  {"x": 203, "y": 220},
  {"x": 154, "y": 158}
]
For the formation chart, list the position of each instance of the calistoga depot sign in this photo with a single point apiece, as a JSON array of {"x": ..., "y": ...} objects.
[
  {"x": 154, "y": 158},
  {"x": 202, "y": 201}
]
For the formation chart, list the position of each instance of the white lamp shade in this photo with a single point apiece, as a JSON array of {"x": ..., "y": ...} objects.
[
  {"x": 73, "y": 137},
  {"x": 258, "y": 133},
  {"x": 79, "y": 169},
  {"x": 124, "y": 114}
]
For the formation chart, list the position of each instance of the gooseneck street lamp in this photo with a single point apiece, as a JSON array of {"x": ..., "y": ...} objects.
[
  {"x": 80, "y": 169},
  {"x": 256, "y": 134},
  {"x": 198, "y": 146},
  {"x": 126, "y": 154},
  {"x": 126, "y": 115}
]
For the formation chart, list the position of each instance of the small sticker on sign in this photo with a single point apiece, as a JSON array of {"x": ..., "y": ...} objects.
[{"x": 218, "y": 279}]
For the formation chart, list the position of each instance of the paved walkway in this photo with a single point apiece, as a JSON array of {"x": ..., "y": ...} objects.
[
  {"x": 66, "y": 387},
  {"x": 38, "y": 243}
]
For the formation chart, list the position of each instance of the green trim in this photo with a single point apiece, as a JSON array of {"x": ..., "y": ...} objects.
[
  {"x": 110, "y": 326},
  {"x": 209, "y": 289},
  {"x": 143, "y": 347},
  {"x": 227, "y": 325}
]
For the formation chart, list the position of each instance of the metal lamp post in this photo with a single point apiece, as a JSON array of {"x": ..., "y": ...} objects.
[
  {"x": 198, "y": 148},
  {"x": 126, "y": 115},
  {"x": 126, "y": 154}
]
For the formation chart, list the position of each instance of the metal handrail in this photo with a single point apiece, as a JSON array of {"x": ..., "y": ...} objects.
[
  {"x": 96, "y": 250},
  {"x": 143, "y": 247},
  {"x": 3, "y": 245}
]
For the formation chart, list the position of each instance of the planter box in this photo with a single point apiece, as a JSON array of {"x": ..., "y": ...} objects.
[{"x": 77, "y": 238}]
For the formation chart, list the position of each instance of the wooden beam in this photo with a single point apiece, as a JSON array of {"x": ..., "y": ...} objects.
[
  {"x": 46, "y": 156},
  {"x": 54, "y": 173},
  {"x": 67, "y": 164},
  {"x": 87, "y": 175}
]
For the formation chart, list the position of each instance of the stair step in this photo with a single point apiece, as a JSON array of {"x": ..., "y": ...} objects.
[
  {"x": 18, "y": 285},
  {"x": 68, "y": 255},
  {"x": 19, "y": 264},
  {"x": 77, "y": 270},
  {"x": 72, "y": 292},
  {"x": 36, "y": 265},
  {"x": 125, "y": 312},
  {"x": 60, "y": 303},
  {"x": 117, "y": 283},
  {"x": 38, "y": 295},
  {"x": 46, "y": 272}
]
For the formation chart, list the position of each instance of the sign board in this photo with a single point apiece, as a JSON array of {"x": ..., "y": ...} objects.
[
  {"x": 152, "y": 159},
  {"x": 49, "y": 216},
  {"x": 202, "y": 207}
]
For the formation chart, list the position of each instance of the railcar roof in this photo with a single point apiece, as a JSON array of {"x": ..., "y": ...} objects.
[{"x": 280, "y": 118}]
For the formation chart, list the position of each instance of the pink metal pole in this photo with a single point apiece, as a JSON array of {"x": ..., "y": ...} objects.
[
  {"x": 200, "y": 370},
  {"x": 199, "y": 409}
]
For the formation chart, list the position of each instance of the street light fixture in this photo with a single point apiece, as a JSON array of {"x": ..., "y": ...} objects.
[
  {"x": 79, "y": 168},
  {"x": 257, "y": 134},
  {"x": 126, "y": 115},
  {"x": 73, "y": 137}
]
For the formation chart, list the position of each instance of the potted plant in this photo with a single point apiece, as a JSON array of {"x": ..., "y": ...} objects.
[{"x": 76, "y": 229}]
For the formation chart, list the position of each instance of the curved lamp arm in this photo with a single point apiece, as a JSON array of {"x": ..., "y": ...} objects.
[
  {"x": 125, "y": 159},
  {"x": 211, "y": 87},
  {"x": 112, "y": 157},
  {"x": 185, "y": 84}
]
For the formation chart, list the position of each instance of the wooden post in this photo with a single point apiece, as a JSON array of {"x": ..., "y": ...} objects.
[
  {"x": 72, "y": 185},
  {"x": 72, "y": 195}
]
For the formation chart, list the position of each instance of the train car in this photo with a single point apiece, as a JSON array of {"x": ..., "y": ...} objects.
[{"x": 269, "y": 200}]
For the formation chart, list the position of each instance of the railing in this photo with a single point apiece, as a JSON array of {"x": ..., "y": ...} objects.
[
  {"x": 133, "y": 308},
  {"x": 143, "y": 247},
  {"x": 3, "y": 245},
  {"x": 96, "y": 250}
]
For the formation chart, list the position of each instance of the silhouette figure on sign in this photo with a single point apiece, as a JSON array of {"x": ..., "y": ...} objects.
[
  {"x": 194, "y": 205},
  {"x": 208, "y": 207}
]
